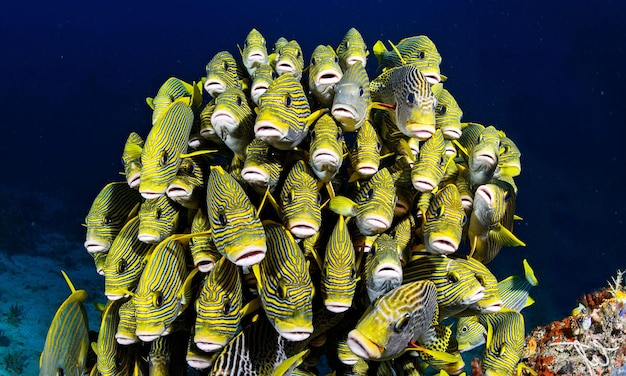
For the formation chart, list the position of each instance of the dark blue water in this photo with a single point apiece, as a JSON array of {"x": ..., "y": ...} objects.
[{"x": 550, "y": 74}]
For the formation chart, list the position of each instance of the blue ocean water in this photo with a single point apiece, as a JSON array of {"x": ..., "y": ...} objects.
[{"x": 550, "y": 74}]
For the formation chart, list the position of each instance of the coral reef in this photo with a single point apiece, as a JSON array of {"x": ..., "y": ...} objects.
[
  {"x": 15, "y": 362},
  {"x": 15, "y": 314},
  {"x": 592, "y": 341}
]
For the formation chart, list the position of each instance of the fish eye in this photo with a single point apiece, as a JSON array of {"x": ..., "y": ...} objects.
[
  {"x": 239, "y": 101},
  {"x": 378, "y": 146},
  {"x": 313, "y": 60},
  {"x": 157, "y": 299},
  {"x": 339, "y": 136},
  {"x": 453, "y": 277},
  {"x": 287, "y": 100},
  {"x": 420, "y": 54},
  {"x": 298, "y": 54},
  {"x": 402, "y": 323},
  {"x": 410, "y": 98},
  {"x": 274, "y": 75},
  {"x": 122, "y": 266},
  {"x": 158, "y": 213},
  {"x": 60, "y": 372},
  {"x": 464, "y": 329},
  {"x": 225, "y": 66},
  {"x": 353, "y": 273},
  {"x": 313, "y": 133},
  {"x": 463, "y": 220},
  {"x": 227, "y": 307},
  {"x": 164, "y": 158},
  {"x": 441, "y": 109},
  {"x": 107, "y": 220},
  {"x": 442, "y": 160},
  {"x": 221, "y": 217},
  {"x": 361, "y": 91},
  {"x": 336, "y": 59},
  {"x": 480, "y": 279},
  {"x": 370, "y": 193}
]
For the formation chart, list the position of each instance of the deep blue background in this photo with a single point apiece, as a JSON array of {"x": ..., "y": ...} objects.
[{"x": 550, "y": 74}]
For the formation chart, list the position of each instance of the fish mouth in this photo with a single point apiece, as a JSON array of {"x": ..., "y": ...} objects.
[
  {"x": 255, "y": 59},
  {"x": 209, "y": 346},
  {"x": 475, "y": 296},
  {"x": 388, "y": 271},
  {"x": 257, "y": 90},
  {"x": 302, "y": 230},
  {"x": 421, "y": 131},
  {"x": 214, "y": 87},
  {"x": 342, "y": 112},
  {"x": 485, "y": 194},
  {"x": 223, "y": 119},
  {"x": 205, "y": 265},
  {"x": 254, "y": 176},
  {"x": 491, "y": 308},
  {"x": 327, "y": 77},
  {"x": 284, "y": 66},
  {"x": 296, "y": 335},
  {"x": 149, "y": 238},
  {"x": 95, "y": 246},
  {"x": 374, "y": 224},
  {"x": 134, "y": 180},
  {"x": 362, "y": 346},
  {"x": 366, "y": 170},
  {"x": 467, "y": 202},
  {"x": 267, "y": 130},
  {"x": 249, "y": 256},
  {"x": 125, "y": 340},
  {"x": 487, "y": 158},
  {"x": 115, "y": 296},
  {"x": 197, "y": 362},
  {"x": 401, "y": 208},
  {"x": 196, "y": 141},
  {"x": 324, "y": 157},
  {"x": 451, "y": 133},
  {"x": 177, "y": 191},
  {"x": 353, "y": 59},
  {"x": 442, "y": 244},
  {"x": 147, "y": 337},
  {"x": 424, "y": 184},
  {"x": 337, "y": 307},
  {"x": 150, "y": 195}
]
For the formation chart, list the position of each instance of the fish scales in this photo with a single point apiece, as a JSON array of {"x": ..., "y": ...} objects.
[
  {"x": 300, "y": 209},
  {"x": 326, "y": 148}
]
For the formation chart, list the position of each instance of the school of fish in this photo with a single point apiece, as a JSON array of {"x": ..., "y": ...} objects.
[{"x": 281, "y": 211}]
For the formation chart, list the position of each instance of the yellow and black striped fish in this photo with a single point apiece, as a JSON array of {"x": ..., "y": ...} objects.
[
  {"x": 127, "y": 325},
  {"x": 188, "y": 188},
  {"x": 383, "y": 269},
  {"x": 442, "y": 224},
  {"x": 289, "y": 59},
  {"x": 171, "y": 90},
  {"x": 219, "y": 307},
  {"x": 324, "y": 74},
  {"x": 108, "y": 353},
  {"x": 285, "y": 286},
  {"x": 235, "y": 226},
  {"x": 223, "y": 72},
  {"x": 114, "y": 205},
  {"x": 254, "y": 52},
  {"x": 492, "y": 300},
  {"x": 365, "y": 155},
  {"x": 125, "y": 262},
  {"x": 339, "y": 275},
  {"x": 514, "y": 289},
  {"x": 299, "y": 205},
  {"x": 419, "y": 51},
  {"x": 131, "y": 159},
  {"x": 166, "y": 141},
  {"x": 262, "y": 166},
  {"x": 203, "y": 251},
  {"x": 67, "y": 342},
  {"x": 326, "y": 148},
  {"x": 352, "y": 49},
  {"x": 352, "y": 99},
  {"x": 448, "y": 115},
  {"x": 233, "y": 120},
  {"x": 428, "y": 171},
  {"x": 504, "y": 343},
  {"x": 159, "y": 218}
]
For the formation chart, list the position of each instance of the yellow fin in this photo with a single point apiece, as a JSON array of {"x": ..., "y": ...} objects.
[
  {"x": 461, "y": 149},
  {"x": 343, "y": 206},
  {"x": 150, "y": 102},
  {"x": 288, "y": 365},
  {"x": 379, "y": 49},
  {"x": 439, "y": 355},
  {"x": 503, "y": 236},
  {"x": 257, "y": 273},
  {"x": 397, "y": 52},
  {"x": 198, "y": 152},
  {"x": 382, "y": 106},
  {"x": 133, "y": 149},
  {"x": 315, "y": 115},
  {"x": 529, "y": 273},
  {"x": 517, "y": 218},
  {"x": 69, "y": 283},
  {"x": 250, "y": 307}
]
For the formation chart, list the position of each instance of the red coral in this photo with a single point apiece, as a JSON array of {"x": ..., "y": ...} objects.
[
  {"x": 594, "y": 299},
  {"x": 476, "y": 369}
]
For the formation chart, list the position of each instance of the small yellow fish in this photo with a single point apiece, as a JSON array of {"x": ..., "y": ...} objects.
[
  {"x": 352, "y": 49},
  {"x": 131, "y": 159},
  {"x": 254, "y": 52},
  {"x": 352, "y": 99},
  {"x": 324, "y": 74}
]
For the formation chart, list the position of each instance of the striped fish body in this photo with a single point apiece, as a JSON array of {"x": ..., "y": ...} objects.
[
  {"x": 125, "y": 262},
  {"x": 483, "y": 157},
  {"x": 365, "y": 156},
  {"x": 448, "y": 115},
  {"x": 428, "y": 171},
  {"x": 492, "y": 300},
  {"x": 324, "y": 74},
  {"x": 207, "y": 131},
  {"x": 514, "y": 289},
  {"x": 442, "y": 225},
  {"x": 131, "y": 159},
  {"x": 387, "y": 326},
  {"x": 114, "y": 205},
  {"x": 262, "y": 166},
  {"x": 470, "y": 333},
  {"x": 402, "y": 233},
  {"x": 350, "y": 104},
  {"x": 289, "y": 59},
  {"x": 158, "y": 218},
  {"x": 157, "y": 300},
  {"x": 505, "y": 342},
  {"x": 375, "y": 203},
  {"x": 223, "y": 72},
  {"x": 383, "y": 270},
  {"x": 338, "y": 279},
  {"x": 171, "y": 90},
  {"x": 261, "y": 80},
  {"x": 409, "y": 93},
  {"x": 326, "y": 148},
  {"x": 509, "y": 163},
  {"x": 218, "y": 307},
  {"x": 352, "y": 49},
  {"x": 188, "y": 187},
  {"x": 300, "y": 208},
  {"x": 106, "y": 346},
  {"x": 254, "y": 52},
  {"x": 457, "y": 286},
  {"x": 285, "y": 288},
  {"x": 235, "y": 227},
  {"x": 203, "y": 250},
  {"x": 283, "y": 114},
  {"x": 233, "y": 120},
  {"x": 127, "y": 324},
  {"x": 419, "y": 51},
  {"x": 160, "y": 158},
  {"x": 99, "y": 259},
  {"x": 67, "y": 342}
]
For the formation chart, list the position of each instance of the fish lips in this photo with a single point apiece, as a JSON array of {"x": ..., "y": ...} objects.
[
  {"x": 210, "y": 344},
  {"x": 302, "y": 229},
  {"x": 214, "y": 87},
  {"x": 440, "y": 244},
  {"x": 373, "y": 224},
  {"x": 134, "y": 180},
  {"x": 223, "y": 120},
  {"x": 269, "y": 131},
  {"x": 421, "y": 131},
  {"x": 248, "y": 255},
  {"x": 362, "y": 346},
  {"x": 423, "y": 184},
  {"x": 255, "y": 176},
  {"x": 96, "y": 246},
  {"x": 328, "y": 77}
]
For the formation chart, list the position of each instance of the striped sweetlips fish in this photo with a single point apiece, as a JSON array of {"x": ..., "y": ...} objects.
[
  {"x": 159, "y": 218},
  {"x": 365, "y": 153},
  {"x": 189, "y": 186},
  {"x": 383, "y": 269},
  {"x": 67, "y": 342},
  {"x": 299, "y": 206},
  {"x": 324, "y": 74},
  {"x": 263, "y": 166},
  {"x": 223, "y": 72},
  {"x": 284, "y": 114},
  {"x": 127, "y": 325},
  {"x": 114, "y": 205},
  {"x": 352, "y": 49},
  {"x": 448, "y": 115},
  {"x": 514, "y": 289},
  {"x": 443, "y": 221},
  {"x": 254, "y": 52},
  {"x": 289, "y": 59},
  {"x": 492, "y": 300},
  {"x": 284, "y": 285},
  {"x": 233, "y": 120},
  {"x": 405, "y": 92},
  {"x": 131, "y": 159},
  {"x": 203, "y": 251},
  {"x": 261, "y": 80},
  {"x": 125, "y": 262},
  {"x": 326, "y": 148},
  {"x": 173, "y": 89},
  {"x": 428, "y": 171},
  {"x": 504, "y": 343},
  {"x": 418, "y": 50},
  {"x": 235, "y": 226},
  {"x": 352, "y": 99}
]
